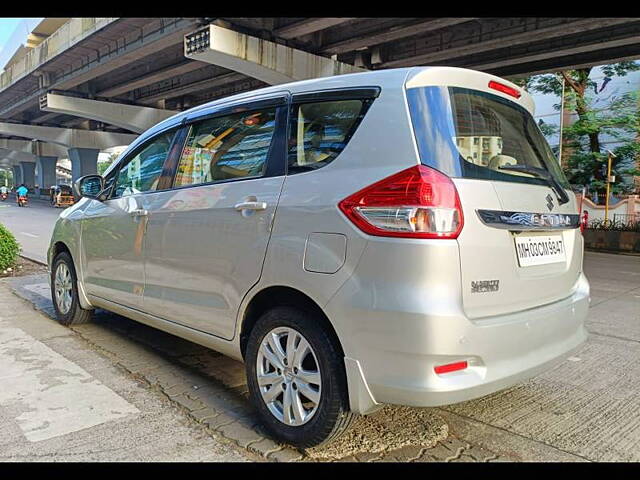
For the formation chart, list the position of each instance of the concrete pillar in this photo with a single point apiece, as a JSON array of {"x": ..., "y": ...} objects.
[
  {"x": 28, "y": 174},
  {"x": 632, "y": 205},
  {"x": 84, "y": 161},
  {"x": 46, "y": 173},
  {"x": 17, "y": 175}
]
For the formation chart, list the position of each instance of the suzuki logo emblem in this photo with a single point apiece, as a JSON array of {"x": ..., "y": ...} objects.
[{"x": 549, "y": 202}]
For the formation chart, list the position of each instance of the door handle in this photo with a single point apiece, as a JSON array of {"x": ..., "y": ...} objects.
[
  {"x": 251, "y": 206},
  {"x": 139, "y": 212}
]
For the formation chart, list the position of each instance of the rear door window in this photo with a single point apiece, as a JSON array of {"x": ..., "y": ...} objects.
[
  {"x": 228, "y": 147},
  {"x": 319, "y": 131}
]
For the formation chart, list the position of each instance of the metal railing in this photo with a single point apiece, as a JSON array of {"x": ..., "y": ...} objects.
[
  {"x": 626, "y": 218},
  {"x": 621, "y": 222},
  {"x": 67, "y": 35}
]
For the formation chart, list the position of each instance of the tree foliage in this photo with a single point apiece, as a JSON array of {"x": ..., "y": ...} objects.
[
  {"x": 584, "y": 156},
  {"x": 102, "y": 166},
  {"x": 6, "y": 178},
  {"x": 9, "y": 248}
]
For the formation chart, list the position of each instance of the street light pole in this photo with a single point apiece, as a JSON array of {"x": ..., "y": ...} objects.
[
  {"x": 609, "y": 181},
  {"x": 561, "y": 122}
]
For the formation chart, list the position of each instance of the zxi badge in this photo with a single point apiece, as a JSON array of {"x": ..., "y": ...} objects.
[
  {"x": 549, "y": 202},
  {"x": 483, "y": 286}
]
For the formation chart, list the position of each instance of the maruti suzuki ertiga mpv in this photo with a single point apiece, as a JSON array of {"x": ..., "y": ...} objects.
[{"x": 399, "y": 236}]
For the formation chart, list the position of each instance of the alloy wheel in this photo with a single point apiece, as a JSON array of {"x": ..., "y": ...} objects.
[
  {"x": 63, "y": 288},
  {"x": 288, "y": 376}
]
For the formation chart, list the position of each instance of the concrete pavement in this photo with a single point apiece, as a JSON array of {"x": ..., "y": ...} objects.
[
  {"x": 61, "y": 400},
  {"x": 588, "y": 406}
]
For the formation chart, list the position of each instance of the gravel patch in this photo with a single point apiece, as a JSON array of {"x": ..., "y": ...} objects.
[{"x": 391, "y": 428}]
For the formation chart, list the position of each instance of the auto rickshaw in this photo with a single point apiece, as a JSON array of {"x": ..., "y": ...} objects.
[{"x": 62, "y": 196}]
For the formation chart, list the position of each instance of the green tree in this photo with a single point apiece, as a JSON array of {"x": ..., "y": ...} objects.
[
  {"x": 102, "y": 166},
  {"x": 6, "y": 177},
  {"x": 583, "y": 155},
  {"x": 9, "y": 248}
]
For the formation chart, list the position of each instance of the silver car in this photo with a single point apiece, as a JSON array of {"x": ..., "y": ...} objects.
[{"x": 400, "y": 236}]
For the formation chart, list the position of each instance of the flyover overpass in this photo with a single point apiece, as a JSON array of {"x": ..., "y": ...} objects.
[{"x": 95, "y": 82}]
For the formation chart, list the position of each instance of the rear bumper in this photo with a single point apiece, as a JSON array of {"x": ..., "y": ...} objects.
[
  {"x": 480, "y": 379},
  {"x": 397, "y": 351}
]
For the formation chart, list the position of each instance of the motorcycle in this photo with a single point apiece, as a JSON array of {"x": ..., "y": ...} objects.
[
  {"x": 3, "y": 196},
  {"x": 22, "y": 200}
]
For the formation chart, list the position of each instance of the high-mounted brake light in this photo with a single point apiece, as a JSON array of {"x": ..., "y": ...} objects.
[
  {"x": 450, "y": 367},
  {"x": 418, "y": 202},
  {"x": 504, "y": 89}
]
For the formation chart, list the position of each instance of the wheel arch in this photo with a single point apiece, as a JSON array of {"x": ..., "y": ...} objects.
[
  {"x": 59, "y": 247},
  {"x": 278, "y": 296}
]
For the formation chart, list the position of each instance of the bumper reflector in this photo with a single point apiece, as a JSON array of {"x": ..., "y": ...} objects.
[{"x": 450, "y": 367}]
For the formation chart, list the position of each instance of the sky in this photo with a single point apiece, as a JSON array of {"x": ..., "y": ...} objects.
[
  {"x": 7, "y": 27},
  {"x": 13, "y": 32}
]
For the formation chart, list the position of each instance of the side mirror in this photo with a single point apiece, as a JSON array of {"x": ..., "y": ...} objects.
[{"x": 89, "y": 186}]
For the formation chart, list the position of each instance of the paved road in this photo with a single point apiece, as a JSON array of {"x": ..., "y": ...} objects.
[{"x": 32, "y": 226}]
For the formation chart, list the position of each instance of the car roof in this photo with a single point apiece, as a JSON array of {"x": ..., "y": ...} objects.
[
  {"x": 385, "y": 78},
  {"x": 371, "y": 78}
]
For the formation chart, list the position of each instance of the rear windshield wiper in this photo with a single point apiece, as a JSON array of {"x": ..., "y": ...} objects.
[{"x": 545, "y": 175}]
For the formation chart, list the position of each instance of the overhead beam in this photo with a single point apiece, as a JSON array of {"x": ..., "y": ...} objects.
[
  {"x": 157, "y": 76},
  {"x": 67, "y": 137},
  {"x": 518, "y": 60},
  {"x": 145, "y": 45},
  {"x": 44, "y": 118},
  {"x": 31, "y": 147},
  {"x": 17, "y": 156},
  {"x": 310, "y": 25},
  {"x": 391, "y": 34},
  {"x": 507, "y": 41},
  {"x": 568, "y": 64},
  {"x": 189, "y": 88},
  {"x": 267, "y": 61},
  {"x": 132, "y": 117}
]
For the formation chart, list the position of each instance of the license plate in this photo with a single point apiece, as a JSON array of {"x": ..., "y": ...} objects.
[{"x": 540, "y": 250}]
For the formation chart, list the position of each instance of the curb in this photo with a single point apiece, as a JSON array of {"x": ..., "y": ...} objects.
[
  {"x": 612, "y": 252},
  {"x": 39, "y": 262}
]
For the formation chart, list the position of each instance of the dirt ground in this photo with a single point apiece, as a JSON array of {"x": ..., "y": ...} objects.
[{"x": 22, "y": 268}]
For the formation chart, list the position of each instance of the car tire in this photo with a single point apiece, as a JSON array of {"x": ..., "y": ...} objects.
[
  {"x": 327, "y": 407},
  {"x": 65, "y": 301}
]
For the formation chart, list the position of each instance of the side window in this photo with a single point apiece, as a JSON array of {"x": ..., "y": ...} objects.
[
  {"x": 319, "y": 131},
  {"x": 142, "y": 172},
  {"x": 226, "y": 148}
]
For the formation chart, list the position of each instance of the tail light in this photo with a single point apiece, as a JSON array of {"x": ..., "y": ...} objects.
[{"x": 418, "y": 202}]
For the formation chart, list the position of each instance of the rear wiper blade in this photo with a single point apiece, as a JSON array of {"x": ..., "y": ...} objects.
[{"x": 545, "y": 175}]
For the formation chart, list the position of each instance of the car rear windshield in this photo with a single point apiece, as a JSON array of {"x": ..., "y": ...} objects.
[{"x": 471, "y": 134}]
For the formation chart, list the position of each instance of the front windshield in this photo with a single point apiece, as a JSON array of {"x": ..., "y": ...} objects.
[{"x": 472, "y": 134}]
